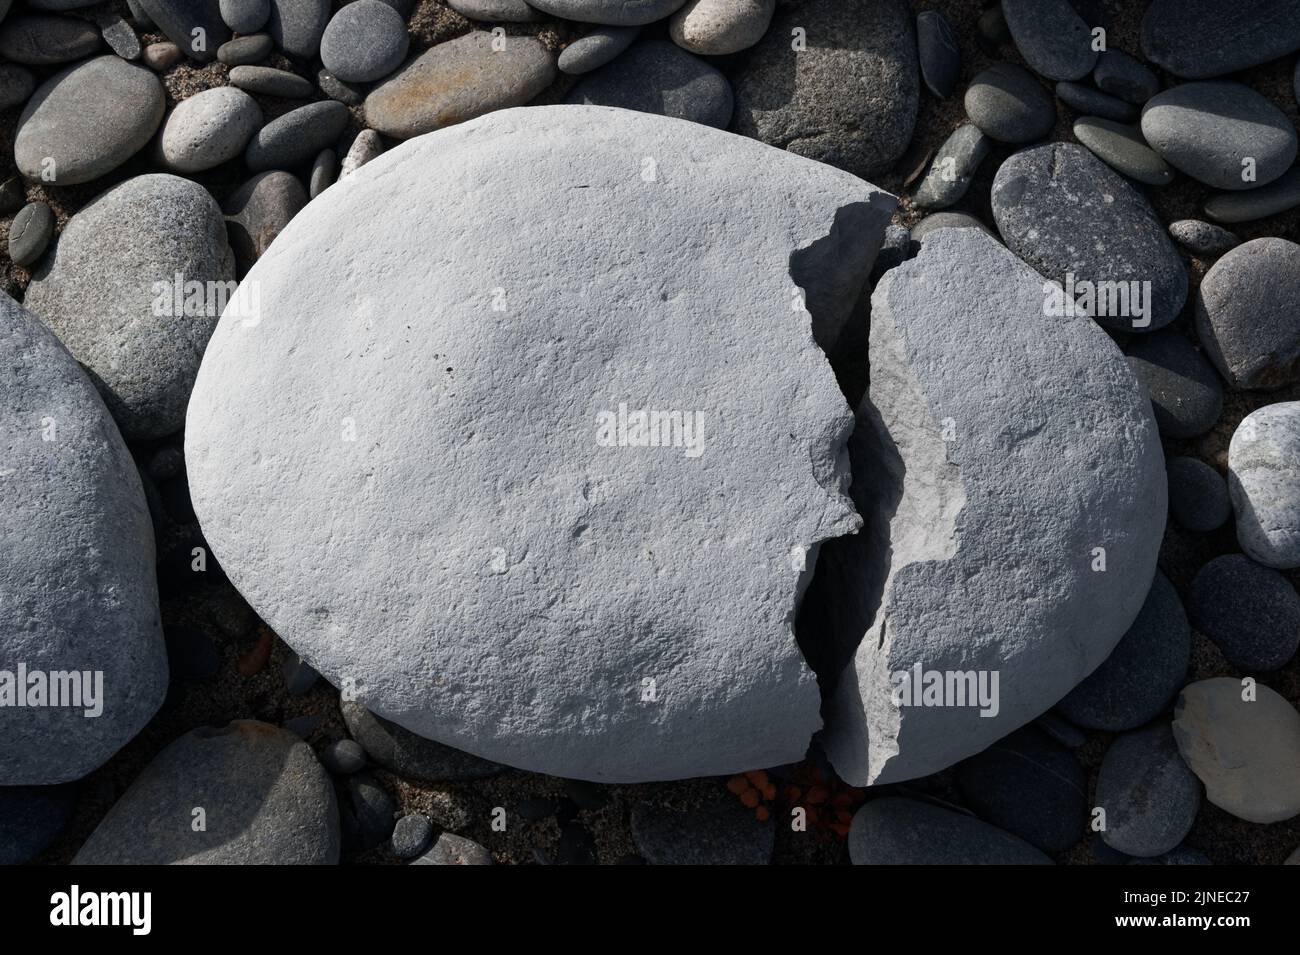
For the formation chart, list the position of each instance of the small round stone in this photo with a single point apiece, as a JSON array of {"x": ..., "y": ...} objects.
[
  {"x": 208, "y": 129},
  {"x": 939, "y": 52},
  {"x": 720, "y": 27},
  {"x": 30, "y": 233},
  {"x": 1122, "y": 147},
  {"x": 1203, "y": 238},
  {"x": 297, "y": 136},
  {"x": 245, "y": 49},
  {"x": 162, "y": 56},
  {"x": 343, "y": 757},
  {"x": 1264, "y": 481},
  {"x": 1198, "y": 496},
  {"x": 366, "y": 40},
  {"x": 1121, "y": 75},
  {"x": 1149, "y": 795},
  {"x": 266, "y": 81},
  {"x": 412, "y": 835},
  {"x": 1091, "y": 102},
  {"x": 596, "y": 49},
  {"x": 1186, "y": 394},
  {"x": 1009, "y": 104},
  {"x": 1251, "y": 612},
  {"x": 245, "y": 16}
]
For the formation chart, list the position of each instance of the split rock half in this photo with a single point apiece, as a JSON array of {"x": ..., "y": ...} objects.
[{"x": 412, "y": 460}]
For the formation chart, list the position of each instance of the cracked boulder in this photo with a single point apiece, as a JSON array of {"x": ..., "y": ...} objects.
[
  {"x": 536, "y": 461},
  {"x": 1011, "y": 479}
]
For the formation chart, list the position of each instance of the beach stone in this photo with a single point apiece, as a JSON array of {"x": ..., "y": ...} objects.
[
  {"x": 1009, "y": 104},
  {"x": 1251, "y": 612},
  {"x": 451, "y": 849},
  {"x": 619, "y": 13},
  {"x": 939, "y": 52},
  {"x": 1121, "y": 75},
  {"x": 296, "y": 26},
  {"x": 1197, "y": 39},
  {"x": 366, "y": 40},
  {"x": 193, "y": 25},
  {"x": 769, "y": 711},
  {"x": 324, "y": 172},
  {"x": 412, "y": 835},
  {"x": 245, "y": 16},
  {"x": 1186, "y": 394},
  {"x": 245, "y": 50},
  {"x": 1091, "y": 102},
  {"x": 459, "y": 80},
  {"x": 402, "y": 752},
  {"x": 13, "y": 195},
  {"x": 719, "y": 27},
  {"x": 952, "y": 168},
  {"x": 88, "y": 119},
  {"x": 1203, "y": 238},
  {"x": 596, "y": 49},
  {"x": 894, "y": 831},
  {"x": 162, "y": 56},
  {"x": 77, "y": 524},
  {"x": 1220, "y": 134},
  {"x": 1146, "y": 669},
  {"x": 945, "y": 220},
  {"x": 659, "y": 77},
  {"x": 721, "y": 831},
  {"x": 1244, "y": 745},
  {"x": 1248, "y": 314},
  {"x": 1149, "y": 795},
  {"x": 30, "y": 233},
  {"x": 1264, "y": 480},
  {"x": 373, "y": 810},
  {"x": 1052, "y": 37},
  {"x": 343, "y": 757},
  {"x": 119, "y": 36},
  {"x": 1122, "y": 148},
  {"x": 494, "y": 11},
  {"x": 948, "y": 405},
  {"x": 268, "y": 81},
  {"x": 16, "y": 85},
  {"x": 1030, "y": 786},
  {"x": 1198, "y": 496},
  {"x": 364, "y": 148},
  {"x": 40, "y": 40},
  {"x": 850, "y": 99},
  {"x": 209, "y": 128},
  {"x": 258, "y": 211},
  {"x": 1067, "y": 213},
  {"x": 349, "y": 94},
  {"x": 1280, "y": 195},
  {"x": 296, "y": 137},
  {"x": 31, "y": 818},
  {"x": 97, "y": 291},
  {"x": 299, "y": 675},
  {"x": 266, "y": 801}
]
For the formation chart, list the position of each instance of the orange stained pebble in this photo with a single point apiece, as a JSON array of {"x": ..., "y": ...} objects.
[
  {"x": 758, "y": 777},
  {"x": 737, "y": 784},
  {"x": 762, "y": 814},
  {"x": 792, "y": 793},
  {"x": 817, "y": 795},
  {"x": 769, "y": 791},
  {"x": 750, "y": 798}
]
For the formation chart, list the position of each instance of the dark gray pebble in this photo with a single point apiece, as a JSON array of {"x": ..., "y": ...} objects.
[
  {"x": 1091, "y": 102},
  {"x": 1198, "y": 495},
  {"x": 1186, "y": 394},
  {"x": 1121, "y": 75},
  {"x": 343, "y": 757},
  {"x": 1203, "y": 238},
  {"x": 939, "y": 52},
  {"x": 30, "y": 233},
  {"x": 1149, "y": 795},
  {"x": 1250, "y": 611},
  {"x": 1009, "y": 104},
  {"x": 411, "y": 835}
]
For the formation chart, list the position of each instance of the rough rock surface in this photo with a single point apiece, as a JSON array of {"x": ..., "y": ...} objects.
[
  {"x": 1264, "y": 481},
  {"x": 265, "y": 801},
  {"x": 76, "y": 563},
  {"x": 894, "y": 831},
  {"x": 602, "y": 611},
  {"x": 980, "y": 412}
]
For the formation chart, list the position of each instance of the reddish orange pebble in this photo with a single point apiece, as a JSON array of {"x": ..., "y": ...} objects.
[
  {"x": 758, "y": 777},
  {"x": 762, "y": 814},
  {"x": 769, "y": 791},
  {"x": 817, "y": 795},
  {"x": 750, "y": 798},
  {"x": 737, "y": 784},
  {"x": 256, "y": 659},
  {"x": 792, "y": 794}
]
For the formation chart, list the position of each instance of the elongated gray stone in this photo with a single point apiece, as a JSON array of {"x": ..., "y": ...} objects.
[
  {"x": 193, "y": 25},
  {"x": 968, "y": 427},
  {"x": 619, "y": 13},
  {"x": 495, "y": 11},
  {"x": 596, "y": 49},
  {"x": 526, "y": 614},
  {"x": 1198, "y": 39},
  {"x": 76, "y": 567},
  {"x": 894, "y": 831},
  {"x": 1122, "y": 148},
  {"x": 1053, "y": 39},
  {"x": 38, "y": 40},
  {"x": 1280, "y": 195},
  {"x": 297, "y": 136},
  {"x": 952, "y": 168},
  {"x": 659, "y": 77}
]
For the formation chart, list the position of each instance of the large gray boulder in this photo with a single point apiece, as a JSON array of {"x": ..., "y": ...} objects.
[
  {"x": 553, "y": 591},
  {"x": 1001, "y": 460},
  {"x": 133, "y": 286},
  {"x": 243, "y": 794},
  {"x": 76, "y": 568}
]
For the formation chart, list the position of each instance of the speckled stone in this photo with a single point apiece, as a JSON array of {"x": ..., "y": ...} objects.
[
  {"x": 297, "y": 136},
  {"x": 658, "y": 77},
  {"x": 1149, "y": 795},
  {"x": 1251, "y": 612},
  {"x": 1009, "y": 104},
  {"x": 1186, "y": 394},
  {"x": 1203, "y": 238}
]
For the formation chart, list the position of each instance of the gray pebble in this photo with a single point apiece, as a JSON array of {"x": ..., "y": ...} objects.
[
  {"x": 1091, "y": 102},
  {"x": 245, "y": 16},
  {"x": 323, "y": 172},
  {"x": 193, "y": 25},
  {"x": 30, "y": 233},
  {"x": 596, "y": 49},
  {"x": 1186, "y": 394},
  {"x": 945, "y": 220},
  {"x": 299, "y": 675},
  {"x": 894, "y": 831},
  {"x": 1009, "y": 104},
  {"x": 119, "y": 36},
  {"x": 41, "y": 40},
  {"x": 373, "y": 808},
  {"x": 267, "y": 81},
  {"x": 1149, "y": 795},
  {"x": 1121, "y": 75},
  {"x": 952, "y": 168},
  {"x": 1198, "y": 496},
  {"x": 349, "y": 94},
  {"x": 939, "y": 52},
  {"x": 411, "y": 835},
  {"x": 1053, "y": 39},
  {"x": 402, "y": 752},
  {"x": 365, "y": 41},
  {"x": 208, "y": 128},
  {"x": 1251, "y": 612},
  {"x": 1122, "y": 148},
  {"x": 243, "y": 50},
  {"x": 495, "y": 11},
  {"x": 1203, "y": 238},
  {"x": 451, "y": 849},
  {"x": 1281, "y": 195},
  {"x": 297, "y": 136},
  {"x": 257, "y": 211},
  {"x": 343, "y": 757},
  {"x": 1195, "y": 39},
  {"x": 1264, "y": 481},
  {"x": 297, "y": 25},
  {"x": 659, "y": 77}
]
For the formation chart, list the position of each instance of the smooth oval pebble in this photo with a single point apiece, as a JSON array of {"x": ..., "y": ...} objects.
[
  {"x": 1243, "y": 742},
  {"x": 1222, "y": 134},
  {"x": 39, "y": 40},
  {"x": 1251, "y": 612},
  {"x": 208, "y": 129},
  {"x": 1122, "y": 148},
  {"x": 1149, "y": 795},
  {"x": 411, "y": 835},
  {"x": 1076, "y": 220},
  {"x": 30, "y": 233},
  {"x": 193, "y": 25},
  {"x": 952, "y": 168},
  {"x": 1119, "y": 74},
  {"x": 324, "y": 171},
  {"x": 720, "y": 27},
  {"x": 244, "y": 50},
  {"x": 451, "y": 849},
  {"x": 1195, "y": 39},
  {"x": 365, "y": 41},
  {"x": 16, "y": 84},
  {"x": 1186, "y": 394},
  {"x": 1198, "y": 496},
  {"x": 1248, "y": 314},
  {"x": 939, "y": 52},
  {"x": 297, "y": 136},
  {"x": 1281, "y": 195},
  {"x": 162, "y": 56},
  {"x": 87, "y": 120},
  {"x": 257, "y": 211},
  {"x": 1203, "y": 238},
  {"x": 1052, "y": 37},
  {"x": 495, "y": 11},
  {"x": 245, "y": 16},
  {"x": 296, "y": 25},
  {"x": 1091, "y": 102},
  {"x": 622, "y": 13},
  {"x": 1264, "y": 480},
  {"x": 343, "y": 757},
  {"x": 267, "y": 81},
  {"x": 1008, "y": 104},
  {"x": 1143, "y": 673},
  {"x": 659, "y": 77},
  {"x": 893, "y": 831},
  {"x": 945, "y": 220},
  {"x": 596, "y": 49}
]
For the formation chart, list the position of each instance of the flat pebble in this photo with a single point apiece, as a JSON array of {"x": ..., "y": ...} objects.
[
  {"x": 1203, "y": 238},
  {"x": 1198, "y": 495},
  {"x": 244, "y": 50},
  {"x": 258, "y": 210},
  {"x": 659, "y": 77},
  {"x": 1195, "y": 39},
  {"x": 612, "y": 12},
  {"x": 495, "y": 11},
  {"x": 1243, "y": 742},
  {"x": 1122, "y": 148},
  {"x": 30, "y": 233},
  {"x": 1264, "y": 480},
  {"x": 297, "y": 136},
  {"x": 893, "y": 831},
  {"x": 1251, "y": 612},
  {"x": 1052, "y": 37},
  {"x": 245, "y": 16},
  {"x": 1149, "y": 795},
  {"x": 209, "y": 128},
  {"x": 596, "y": 49},
  {"x": 720, "y": 27},
  {"x": 41, "y": 40},
  {"x": 343, "y": 757},
  {"x": 1278, "y": 196},
  {"x": 1186, "y": 394},
  {"x": 324, "y": 171},
  {"x": 722, "y": 831},
  {"x": 1091, "y": 102},
  {"x": 267, "y": 81},
  {"x": 952, "y": 168},
  {"x": 945, "y": 220},
  {"x": 451, "y": 849},
  {"x": 1121, "y": 75},
  {"x": 365, "y": 41},
  {"x": 1009, "y": 104},
  {"x": 939, "y": 52},
  {"x": 411, "y": 835}
]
